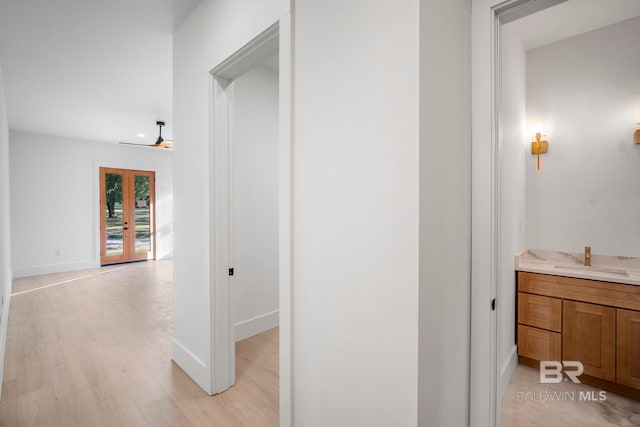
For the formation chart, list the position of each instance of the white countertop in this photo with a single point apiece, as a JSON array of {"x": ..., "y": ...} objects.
[{"x": 617, "y": 269}]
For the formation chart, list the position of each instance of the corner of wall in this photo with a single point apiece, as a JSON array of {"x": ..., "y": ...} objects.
[{"x": 192, "y": 365}]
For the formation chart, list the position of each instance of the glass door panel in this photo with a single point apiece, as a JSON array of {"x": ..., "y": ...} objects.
[
  {"x": 115, "y": 223},
  {"x": 126, "y": 215},
  {"x": 143, "y": 214}
]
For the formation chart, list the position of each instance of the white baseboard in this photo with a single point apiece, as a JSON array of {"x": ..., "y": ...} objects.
[
  {"x": 507, "y": 371},
  {"x": 54, "y": 268},
  {"x": 251, "y": 327},
  {"x": 193, "y": 366}
]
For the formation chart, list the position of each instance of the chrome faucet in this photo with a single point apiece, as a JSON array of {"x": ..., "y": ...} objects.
[{"x": 587, "y": 256}]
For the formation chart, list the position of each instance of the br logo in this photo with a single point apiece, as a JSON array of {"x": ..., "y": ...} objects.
[{"x": 551, "y": 371}]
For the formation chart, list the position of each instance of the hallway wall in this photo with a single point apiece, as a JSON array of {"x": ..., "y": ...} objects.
[
  {"x": 445, "y": 212},
  {"x": 6, "y": 274},
  {"x": 355, "y": 235}
]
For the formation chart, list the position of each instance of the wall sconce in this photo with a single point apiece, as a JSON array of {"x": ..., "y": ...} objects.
[
  {"x": 636, "y": 135},
  {"x": 539, "y": 146}
]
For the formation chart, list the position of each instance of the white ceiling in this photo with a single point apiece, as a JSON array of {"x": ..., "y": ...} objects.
[
  {"x": 102, "y": 70},
  {"x": 569, "y": 19},
  {"x": 90, "y": 69}
]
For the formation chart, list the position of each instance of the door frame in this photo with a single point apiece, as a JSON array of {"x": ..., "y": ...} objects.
[
  {"x": 129, "y": 253},
  {"x": 277, "y": 37},
  {"x": 485, "y": 235},
  {"x": 96, "y": 203}
]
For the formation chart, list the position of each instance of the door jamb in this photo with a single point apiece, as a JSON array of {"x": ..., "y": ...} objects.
[
  {"x": 485, "y": 210},
  {"x": 278, "y": 37}
]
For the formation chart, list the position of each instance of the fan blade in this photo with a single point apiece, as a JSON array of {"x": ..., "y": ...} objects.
[{"x": 166, "y": 146}]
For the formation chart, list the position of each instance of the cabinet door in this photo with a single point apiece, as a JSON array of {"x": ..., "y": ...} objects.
[
  {"x": 628, "y": 348},
  {"x": 588, "y": 336}
]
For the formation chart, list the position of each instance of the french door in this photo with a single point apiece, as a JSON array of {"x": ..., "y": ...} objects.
[{"x": 127, "y": 215}]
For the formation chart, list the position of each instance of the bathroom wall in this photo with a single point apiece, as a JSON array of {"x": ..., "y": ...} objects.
[
  {"x": 255, "y": 201},
  {"x": 54, "y": 200},
  {"x": 587, "y": 92},
  {"x": 511, "y": 181}
]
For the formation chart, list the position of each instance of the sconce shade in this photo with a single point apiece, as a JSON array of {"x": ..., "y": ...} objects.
[
  {"x": 539, "y": 147},
  {"x": 636, "y": 136}
]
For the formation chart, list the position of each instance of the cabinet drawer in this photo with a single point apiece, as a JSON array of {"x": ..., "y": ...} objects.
[
  {"x": 538, "y": 344},
  {"x": 541, "y": 312}
]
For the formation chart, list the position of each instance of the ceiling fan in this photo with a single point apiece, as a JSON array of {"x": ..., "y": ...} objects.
[{"x": 160, "y": 142}]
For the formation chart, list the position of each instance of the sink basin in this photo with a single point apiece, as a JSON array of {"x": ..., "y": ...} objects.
[{"x": 592, "y": 268}]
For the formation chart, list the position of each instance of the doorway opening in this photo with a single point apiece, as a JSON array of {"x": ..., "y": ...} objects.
[
  {"x": 272, "y": 47},
  {"x": 521, "y": 85},
  {"x": 127, "y": 215},
  {"x": 251, "y": 205}
]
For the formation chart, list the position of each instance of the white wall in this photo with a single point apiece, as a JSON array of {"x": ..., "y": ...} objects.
[
  {"x": 512, "y": 145},
  {"x": 586, "y": 89},
  {"x": 255, "y": 197},
  {"x": 54, "y": 198},
  {"x": 355, "y": 213},
  {"x": 445, "y": 212},
  {"x": 212, "y": 32},
  {"x": 6, "y": 275}
]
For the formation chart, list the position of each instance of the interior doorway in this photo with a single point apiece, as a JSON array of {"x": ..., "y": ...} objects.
[
  {"x": 247, "y": 197},
  {"x": 277, "y": 39},
  {"x": 127, "y": 215},
  {"x": 254, "y": 199}
]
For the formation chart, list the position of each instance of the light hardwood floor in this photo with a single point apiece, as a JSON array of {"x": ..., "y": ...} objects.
[
  {"x": 93, "y": 348},
  {"x": 529, "y": 403}
]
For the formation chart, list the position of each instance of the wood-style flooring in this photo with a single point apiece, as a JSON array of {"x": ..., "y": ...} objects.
[
  {"x": 93, "y": 348},
  {"x": 527, "y": 403}
]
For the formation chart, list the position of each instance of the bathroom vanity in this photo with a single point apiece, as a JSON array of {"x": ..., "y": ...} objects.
[{"x": 570, "y": 312}]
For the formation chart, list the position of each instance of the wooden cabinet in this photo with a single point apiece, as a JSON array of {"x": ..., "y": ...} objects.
[
  {"x": 588, "y": 336},
  {"x": 593, "y": 322},
  {"x": 628, "y": 348}
]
